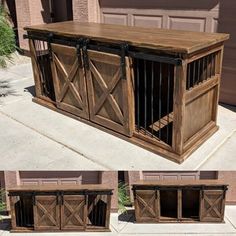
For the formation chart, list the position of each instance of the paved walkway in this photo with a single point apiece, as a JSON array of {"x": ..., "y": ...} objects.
[
  {"x": 34, "y": 137},
  {"x": 228, "y": 228},
  {"x": 5, "y": 226}
]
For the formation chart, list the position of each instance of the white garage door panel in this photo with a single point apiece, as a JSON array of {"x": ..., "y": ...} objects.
[
  {"x": 180, "y": 23},
  {"x": 144, "y": 21},
  {"x": 58, "y": 178},
  {"x": 117, "y": 19},
  {"x": 160, "y": 15},
  {"x": 180, "y": 175}
]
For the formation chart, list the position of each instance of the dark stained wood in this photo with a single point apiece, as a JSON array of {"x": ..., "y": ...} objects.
[
  {"x": 179, "y": 201},
  {"x": 60, "y": 208},
  {"x": 109, "y": 97},
  {"x": 97, "y": 95},
  {"x": 73, "y": 213},
  {"x": 69, "y": 80},
  {"x": 46, "y": 213},
  {"x": 160, "y": 39}
]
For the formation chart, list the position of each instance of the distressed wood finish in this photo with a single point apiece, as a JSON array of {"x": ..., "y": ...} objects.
[
  {"x": 69, "y": 80},
  {"x": 73, "y": 213},
  {"x": 109, "y": 101},
  {"x": 178, "y": 102},
  {"x": 179, "y": 201},
  {"x": 60, "y": 208},
  {"x": 175, "y": 41},
  {"x": 46, "y": 213}
]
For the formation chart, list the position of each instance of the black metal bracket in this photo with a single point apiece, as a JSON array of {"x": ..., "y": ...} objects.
[
  {"x": 124, "y": 50},
  {"x": 85, "y": 53},
  {"x": 50, "y": 39},
  {"x": 33, "y": 198},
  {"x": 79, "y": 46}
]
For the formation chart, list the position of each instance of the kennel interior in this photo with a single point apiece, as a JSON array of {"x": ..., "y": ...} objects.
[
  {"x": 155, "y": 89},
  {"x": 168, "y": 204}
]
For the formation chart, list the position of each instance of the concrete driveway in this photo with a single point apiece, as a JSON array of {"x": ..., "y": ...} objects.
[
  {"x": 5, "y": 230},
  {"x": 128, "y": 227},
  {"x": 34, "y": 137}
]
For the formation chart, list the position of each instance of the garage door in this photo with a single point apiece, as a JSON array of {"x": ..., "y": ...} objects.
[
  {"x": 201, "y": 15},
  {"x": 180, "y": 175},
  {"x": 170, "y": 14},
  {"x": 56, "y": 177}
]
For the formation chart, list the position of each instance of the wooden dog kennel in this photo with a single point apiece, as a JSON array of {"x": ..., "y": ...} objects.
[
  {"x": 179, "y": 201},
  {"x": 154, "y": 87},
  {"x": 60, "y": 208}
]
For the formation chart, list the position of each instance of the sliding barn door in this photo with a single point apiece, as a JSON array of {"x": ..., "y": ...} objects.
[
  {"x": 212, "y": 205},
  {"x": 110, "y": 95},
  {"x": 46, "y": 213},
  {"x": 73, "y": 213},
  {"x": 147, "y": 205},
  {"x": 69, "y": 80}
]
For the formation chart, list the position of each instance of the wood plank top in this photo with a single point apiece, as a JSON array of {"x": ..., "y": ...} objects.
[
  {"x": 172, "y": 41},
  {"x": 213, "y": 182},
  {"x": 53, "y": 188}
]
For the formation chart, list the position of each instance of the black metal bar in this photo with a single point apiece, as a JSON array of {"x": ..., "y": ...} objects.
[
  {"x": 145, "y": 96},
  {"x": 152, "y": 88},
  {"x": 188, "y": 76},
  {"x": 138, "y": 95},
  {"x": 124, "y": 48},
  {"x": 194, "y": 73},
  {"x": 159, "y": 98},
  {"x": 153, "y": 57},
  {"x": 168, "y": 103},
  {"x": 85, "y": 53},
  {"x": 198, "y": 76}
]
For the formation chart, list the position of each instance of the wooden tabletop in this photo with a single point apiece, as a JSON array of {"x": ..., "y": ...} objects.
[
  {"x": 174, "y": 41},
  {"x": 213, "y": 182},
  {"x": 53, "y": 188}
]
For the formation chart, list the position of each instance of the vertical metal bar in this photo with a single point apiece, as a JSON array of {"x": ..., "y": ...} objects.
[
  {"x": 203, "y": 68},
  {"x": 159, "y": 96},
  {"x": 194, "y": 74},
  {"x": 152, "y": 86},
  {"x": 145, "y": 96},
  {"x": 137, "y": 92},
  {"x": 198, "y": 75},
  {"x": 211, "y": 65},
  {"x": 206, "y": 68},
  {"x": 168, "y": 103},
  {"x": 188, "y": 76},
  {"x": 214, "y": 64}
]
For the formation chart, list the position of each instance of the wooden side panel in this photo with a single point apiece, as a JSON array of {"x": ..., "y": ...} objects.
[
  {"x": 212, "y": 206},
  {"x": 69, "y": 80},
  {"x": 110, "y": 96},
  {"x": 147, "y": 205},
  {"x": 73, "y": 212},
  {"x": 13, "y": 200},
  {"x": 46, "y": 213},
  {"x": 198, "y": 113}
]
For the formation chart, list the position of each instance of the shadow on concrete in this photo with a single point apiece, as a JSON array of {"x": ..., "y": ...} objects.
[
  {"x": 31, "y": 90},
  {"x": 5, "y": 224},
  {"x": 232, "y": 108},
  {"x": 127, "y": 216},
  {"x": 6, "y": 90}
]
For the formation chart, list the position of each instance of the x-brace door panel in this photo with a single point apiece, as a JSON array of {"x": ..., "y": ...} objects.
[
  {"x": 46, "y": 213},
  {"x": 147, "y": 205},
  {"x": 212, "y": 205},
  {"x": 73, "y": 212},
  {"x": 69, "y": 80},
  {"x": 110, "y": 96}
]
